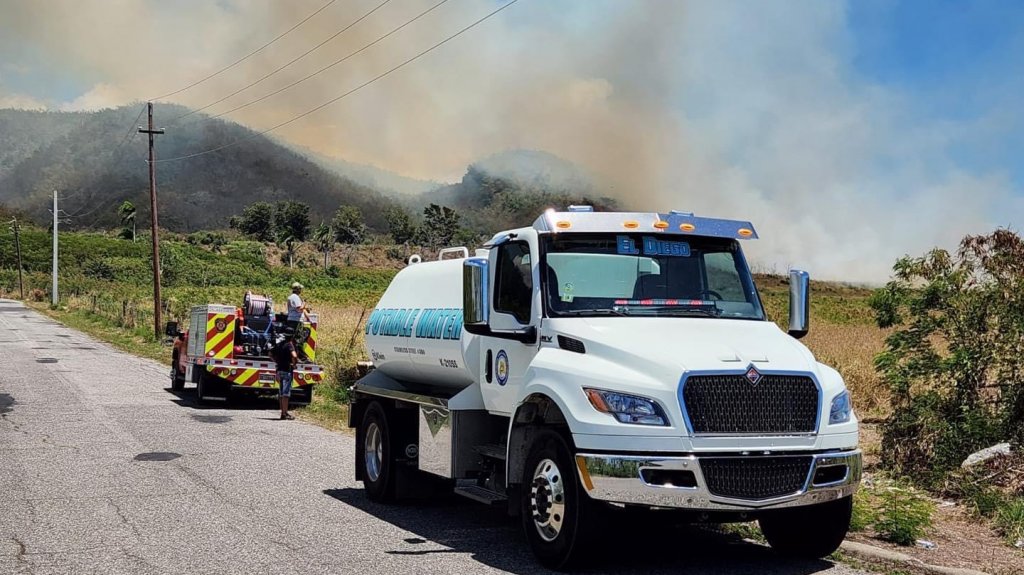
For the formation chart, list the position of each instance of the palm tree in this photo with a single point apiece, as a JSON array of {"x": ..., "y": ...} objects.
[
  {"x": 127, "y": 214},
  {"x": 323, "y": 236}
]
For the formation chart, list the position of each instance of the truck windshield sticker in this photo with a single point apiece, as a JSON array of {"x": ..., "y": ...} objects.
[
  {"x": 426, "y": 323},
  {"x": 651, "y": 246},
  {"x": 501, "y": 367}
]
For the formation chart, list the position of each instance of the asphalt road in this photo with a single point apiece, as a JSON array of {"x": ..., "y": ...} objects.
[{"x": 244, "y": 492}]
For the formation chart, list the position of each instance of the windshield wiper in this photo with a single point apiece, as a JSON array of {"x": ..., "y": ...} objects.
[
  {"x": 683, "y": 310},
  {"x": 595, "y": 312}
]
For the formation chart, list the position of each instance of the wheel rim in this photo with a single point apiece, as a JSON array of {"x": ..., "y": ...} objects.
[
  {"x": 547, "y": 500},
  {"x": 374, "y": 451}
]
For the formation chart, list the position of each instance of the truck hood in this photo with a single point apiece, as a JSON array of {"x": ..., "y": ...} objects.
[{"x": 666, "y": 348}]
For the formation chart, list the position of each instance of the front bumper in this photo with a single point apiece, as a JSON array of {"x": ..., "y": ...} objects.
[{"x": 621, "y": 479}]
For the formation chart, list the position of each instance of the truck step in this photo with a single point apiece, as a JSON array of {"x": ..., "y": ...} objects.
[
  {"x": 492, "y": 450},
  {"x": 481, "y": 494}
]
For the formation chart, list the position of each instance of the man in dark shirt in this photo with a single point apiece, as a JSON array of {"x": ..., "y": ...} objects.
[{"x": 285, "y": 358}]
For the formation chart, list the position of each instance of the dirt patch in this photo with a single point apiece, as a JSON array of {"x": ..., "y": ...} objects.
[{"x": 961, "y": 542}]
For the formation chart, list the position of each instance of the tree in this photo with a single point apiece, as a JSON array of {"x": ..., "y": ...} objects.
[
  {"x": 952, "y": 358},
  {"x": 400, "y": 225},
  {"x": 292, "y": 219},
  {"x": 440, "y": 223},
  {"x": 127, "y": 213},
  {"x": 348, "y": 225},
  {"x": 257, "y": 222},
  {"x": 323, "y": 236},
  {"x": 291, "y": 225}
]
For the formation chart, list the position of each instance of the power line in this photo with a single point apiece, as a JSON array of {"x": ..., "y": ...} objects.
[
  {"x": 247, "y": 56},
  {"x": 275, "y": 71},
  {"x": 331, "y": 65},
  {"x": 352, "y": 91}
]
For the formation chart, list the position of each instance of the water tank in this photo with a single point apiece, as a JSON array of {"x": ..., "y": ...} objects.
[{"x": 415, "y": 332}]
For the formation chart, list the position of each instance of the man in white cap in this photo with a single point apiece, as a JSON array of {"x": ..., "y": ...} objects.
[{"x": 296, "y": 308}]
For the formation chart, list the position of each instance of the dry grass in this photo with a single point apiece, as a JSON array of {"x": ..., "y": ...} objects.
[{"x": 851, "y": 350}]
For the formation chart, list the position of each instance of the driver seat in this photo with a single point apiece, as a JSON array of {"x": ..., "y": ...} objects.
[{"x": 650, "y": 286}]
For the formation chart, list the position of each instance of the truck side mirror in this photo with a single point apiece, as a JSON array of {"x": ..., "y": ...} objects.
[
  {"x": 476, "y": 300},
  {"x": 799, "y": 303},
  {"x": 171, "y": 329}
]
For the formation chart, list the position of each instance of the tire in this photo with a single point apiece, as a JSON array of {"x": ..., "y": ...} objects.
[
  {"x": 377, "y": 461},
  {"x": 558, "y": 517},
  {"x": 177, "y": 377},
  {"x": 810, "y": 532},
  {"x": 203, "y": 388},
  {"x": 305, "y": 397}
]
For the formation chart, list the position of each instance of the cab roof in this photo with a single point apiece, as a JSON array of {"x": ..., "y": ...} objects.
[{"x": 674, "y": 222}]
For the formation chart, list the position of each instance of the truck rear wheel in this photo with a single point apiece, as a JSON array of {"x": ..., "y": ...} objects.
[
  {"x": 810, "y": 532},
  {"x": 378, "y": 462},
  {"x": 177, "y": 377},
  {"x": 558, "y": 516}
]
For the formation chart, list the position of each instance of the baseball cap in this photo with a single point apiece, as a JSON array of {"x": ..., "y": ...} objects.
[{"x": 296, "y": 285}]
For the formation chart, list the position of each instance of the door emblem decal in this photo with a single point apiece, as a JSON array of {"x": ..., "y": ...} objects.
[{"x": 501, "y": 367}]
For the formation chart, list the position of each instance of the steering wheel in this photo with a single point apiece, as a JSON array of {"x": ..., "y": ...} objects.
[{"x": 710, "y": 292}]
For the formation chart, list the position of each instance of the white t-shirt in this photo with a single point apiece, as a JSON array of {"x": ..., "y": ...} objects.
[{"x": 294, "y": 305}]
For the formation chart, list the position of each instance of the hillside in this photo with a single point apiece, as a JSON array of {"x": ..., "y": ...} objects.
[
  {"x": 512, "y": 188},
  {"x": 77, "y": 153}
]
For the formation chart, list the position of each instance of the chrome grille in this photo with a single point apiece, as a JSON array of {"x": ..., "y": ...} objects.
[
  {"x": 755, "y": 477},
  {"x": 778, "y": 404}
]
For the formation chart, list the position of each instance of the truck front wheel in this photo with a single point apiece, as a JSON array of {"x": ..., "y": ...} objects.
[
  {"x": 810, "y": 532},
  {"x": 558, "y": 516}
]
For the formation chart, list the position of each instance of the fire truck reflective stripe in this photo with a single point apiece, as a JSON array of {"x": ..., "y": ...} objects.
[
  {"x": 220, "y": 328},
  {"x": 223, "y": 349},
  {"x": 309, "y": 346}
]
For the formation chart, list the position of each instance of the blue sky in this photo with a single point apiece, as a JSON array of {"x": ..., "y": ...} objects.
[{"x": 957, "y": 61}]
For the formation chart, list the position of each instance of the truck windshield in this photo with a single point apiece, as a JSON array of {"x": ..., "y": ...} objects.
[{"x": 644, "y": 275}]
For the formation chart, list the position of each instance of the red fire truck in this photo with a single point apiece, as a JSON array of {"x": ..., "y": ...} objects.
[{"x": 226, "y": 351}]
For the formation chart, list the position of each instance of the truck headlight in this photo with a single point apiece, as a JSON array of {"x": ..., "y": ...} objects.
[
  {"x": 626, "y": 408},
  {"x": 841, "y": 409}
]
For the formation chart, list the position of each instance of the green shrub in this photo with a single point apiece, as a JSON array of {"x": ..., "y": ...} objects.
[
  {"x": 864, "y": 514},
  {"x": 1009, "y": 519},
  {"x": 951, "y": 361},
  {"x": 903, "y": 515}
]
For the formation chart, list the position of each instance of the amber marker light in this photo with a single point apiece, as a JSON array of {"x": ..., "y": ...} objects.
[
  {"x": 745, "y": 232},
  {"x": 563, "y": 224},
  {"x": 630, "y": 224},
  {"x": 687, "y": 227},
  {"x": 581, "y": 462},
  {"x": 661, "y": 225}
]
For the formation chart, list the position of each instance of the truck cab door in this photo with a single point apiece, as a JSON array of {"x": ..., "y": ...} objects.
[{"x": 504, "y": 360}]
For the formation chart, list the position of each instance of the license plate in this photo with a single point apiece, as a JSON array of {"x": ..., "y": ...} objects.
[{"x": 267, "y": 377}]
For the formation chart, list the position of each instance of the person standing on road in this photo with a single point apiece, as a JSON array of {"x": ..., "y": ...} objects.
[{"x": 285, "y": 358}]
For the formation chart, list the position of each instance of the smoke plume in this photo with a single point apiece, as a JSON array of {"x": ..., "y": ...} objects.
[{"x": 730, "y": 109}]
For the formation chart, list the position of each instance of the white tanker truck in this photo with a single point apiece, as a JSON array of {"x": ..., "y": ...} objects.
[{"x": 596, "y": 361}]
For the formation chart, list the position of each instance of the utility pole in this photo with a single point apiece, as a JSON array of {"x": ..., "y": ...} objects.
[
  {"x": 156, "y": 239},
  {"x": 17, "y": 246},
  {"x": 53, "y": 295}
]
